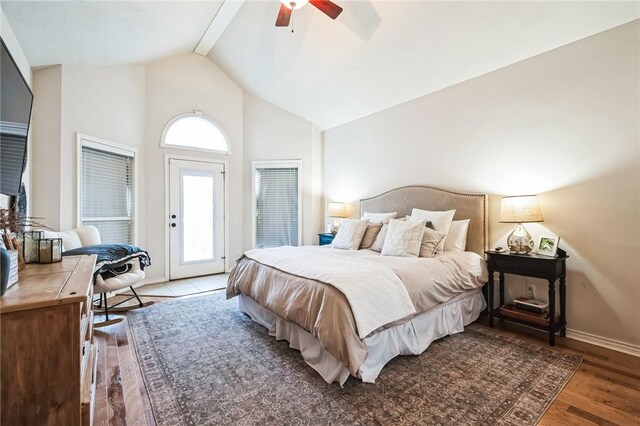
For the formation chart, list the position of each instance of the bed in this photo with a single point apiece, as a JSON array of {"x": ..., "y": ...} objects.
[{"x": 349, "y": 312}]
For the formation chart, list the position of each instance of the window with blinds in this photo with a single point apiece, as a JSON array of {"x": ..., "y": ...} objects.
[
  {"x": 107, "y": 191},
  {"x": 276, "y": 204}
]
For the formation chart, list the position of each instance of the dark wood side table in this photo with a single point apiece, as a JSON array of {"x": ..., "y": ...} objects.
[
  {"x": 551, "y": 269},
  {"x": 324, "y": 239}
]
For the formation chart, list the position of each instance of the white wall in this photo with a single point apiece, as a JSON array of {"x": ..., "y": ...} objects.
[
  {"x": 564, "y": 124},
  {"x": 105, "y": 102},
  {"x": 130, "y": 105},
  {"x": 179, "y": 85},
  {"x": 271, "y": 133},
  {"x": 46, "y": 124}
]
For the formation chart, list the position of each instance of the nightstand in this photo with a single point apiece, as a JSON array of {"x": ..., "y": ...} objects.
[
  {"x": 324, "y": 239},
  {"x": 551, "y": 269}
]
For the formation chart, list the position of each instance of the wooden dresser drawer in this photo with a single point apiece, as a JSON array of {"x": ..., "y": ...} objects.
[
  {"x": 88, "y": 385},
  {"x": 52, "y": 382}
]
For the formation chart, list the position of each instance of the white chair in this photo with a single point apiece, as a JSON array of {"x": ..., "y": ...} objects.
[{"x": 89, "y": 236}]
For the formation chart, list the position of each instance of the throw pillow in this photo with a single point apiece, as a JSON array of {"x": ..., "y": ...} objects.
[
  {"x": 350, "y": 234},
  {"x": 432, "y": 242},
  {"x": 379, "y": 217},
  {"x": 403, "y": 238},
  {"x": 373, "y": 229},
  {"x": 457, "y": 236}
]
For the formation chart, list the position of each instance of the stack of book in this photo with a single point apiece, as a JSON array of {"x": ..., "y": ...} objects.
[
  {"x": 531, "y": 305},
  {"x": 530, "y": 310}
]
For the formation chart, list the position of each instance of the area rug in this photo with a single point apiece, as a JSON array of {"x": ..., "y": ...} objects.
[{"x": 205, "y": 363}]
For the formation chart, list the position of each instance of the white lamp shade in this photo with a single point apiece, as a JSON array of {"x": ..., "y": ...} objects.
[
  {"x": 520, "y": 209},
  {"x": 337, "y": 210},
  {"x": 298, "y": 3}
]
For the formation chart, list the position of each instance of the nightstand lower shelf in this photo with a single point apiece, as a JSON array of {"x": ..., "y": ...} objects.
[{"x": 559, "y": 324}]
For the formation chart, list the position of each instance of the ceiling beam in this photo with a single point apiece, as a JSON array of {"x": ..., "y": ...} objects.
[{"x": 218, "y": 24}]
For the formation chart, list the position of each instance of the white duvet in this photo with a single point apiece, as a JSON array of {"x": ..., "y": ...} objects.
[
  {"x": 381, "y": 290},
  {"x": 376, "y": 294}
]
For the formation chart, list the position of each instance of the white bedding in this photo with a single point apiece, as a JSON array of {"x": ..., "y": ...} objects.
[
  {"x": 409, "y": 338},
  {"x": 377, "y": 295}
]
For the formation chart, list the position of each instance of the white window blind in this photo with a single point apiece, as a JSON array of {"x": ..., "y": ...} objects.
[
  {"x": 106, "y": 199},
  {"x": 277, "y": 209}
]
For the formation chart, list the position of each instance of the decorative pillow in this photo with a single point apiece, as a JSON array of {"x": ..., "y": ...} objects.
[
  {"x": 379, "y": 241},
  {"x": 403, "y": 238},
  {"x": 441, "y": 220},
  {"x": 373, "y": 229},
  {"x": 350, "y": 234},
  {"x": 432, "y": 242},
  {"x": 457, "y": 236},
  {"x": 70, "y": 240},
  {"x": 379, "y": 217}
]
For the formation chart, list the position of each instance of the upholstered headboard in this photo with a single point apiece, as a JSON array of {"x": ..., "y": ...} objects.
[{"x": 467, "y": 206}]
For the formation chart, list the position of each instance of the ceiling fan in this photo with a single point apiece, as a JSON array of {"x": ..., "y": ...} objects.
[{"x": 327, "y": 7}]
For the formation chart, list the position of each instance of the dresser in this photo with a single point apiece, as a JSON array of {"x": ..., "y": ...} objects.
[{"x": 48, "y": 359}]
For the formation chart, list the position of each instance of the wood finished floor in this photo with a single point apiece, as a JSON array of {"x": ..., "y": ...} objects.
[{"x": 604, "y": 391}]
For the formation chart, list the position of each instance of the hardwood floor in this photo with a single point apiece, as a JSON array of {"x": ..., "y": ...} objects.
[{"x": 604, "y": 391}]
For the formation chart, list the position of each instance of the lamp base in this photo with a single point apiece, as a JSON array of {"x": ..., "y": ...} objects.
[
  {"x": 519, "y": 241},
  {"x": 334, "y": 227}
]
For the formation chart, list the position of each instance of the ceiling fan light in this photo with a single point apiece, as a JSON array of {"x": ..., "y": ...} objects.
[{"x": 294, "y": 4}]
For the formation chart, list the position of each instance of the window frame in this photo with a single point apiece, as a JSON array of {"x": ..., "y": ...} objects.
[
  {"x": 274, "y": 164},
  {"x": 199, "y": 114},
  {"x": 83, "y": 140}
]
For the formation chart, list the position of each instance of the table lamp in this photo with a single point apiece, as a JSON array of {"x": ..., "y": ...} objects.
[
  {"x": 520, "y": 209},
  {"x": 336, "y": 211}
]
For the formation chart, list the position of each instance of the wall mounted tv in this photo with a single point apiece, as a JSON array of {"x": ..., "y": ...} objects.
[{"x": 15, "y": 112}]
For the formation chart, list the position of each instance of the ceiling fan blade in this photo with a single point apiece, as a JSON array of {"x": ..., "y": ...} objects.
[
  {"x": 284, "y": 16},
  {"x": 327, "y": 7}
]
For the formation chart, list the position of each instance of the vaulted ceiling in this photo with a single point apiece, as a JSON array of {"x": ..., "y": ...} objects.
[
  {"x": 107, "y": 32},
  {"x": 377, "y": 54}
]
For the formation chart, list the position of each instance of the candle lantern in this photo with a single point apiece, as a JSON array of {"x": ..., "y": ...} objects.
[
  {"x": 29, "y": 245},
  {"x": 50, "y": 250}
]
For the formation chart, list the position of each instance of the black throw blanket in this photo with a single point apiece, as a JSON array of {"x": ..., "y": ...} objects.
[{"x": 112, "y": 258}]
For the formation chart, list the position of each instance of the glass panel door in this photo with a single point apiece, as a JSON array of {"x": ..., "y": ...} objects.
[{"x": 196, "y": 218}]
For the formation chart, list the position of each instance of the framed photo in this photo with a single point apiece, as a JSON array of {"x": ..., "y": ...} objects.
[{"x": 547, "y": 245}]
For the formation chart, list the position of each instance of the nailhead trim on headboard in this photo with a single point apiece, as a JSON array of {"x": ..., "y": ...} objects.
[{"x": 464, "y": 194}]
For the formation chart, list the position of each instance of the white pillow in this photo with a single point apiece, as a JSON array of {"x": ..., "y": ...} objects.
[
  {"x": 403, "y": 238},
  {"x": 379, "y": 217},
  {"x": 350, "y": 234},
  {"x": 457, "y": 236},
  {"x": 432, "y": 243},
  {"x": 441, "y": 220}
]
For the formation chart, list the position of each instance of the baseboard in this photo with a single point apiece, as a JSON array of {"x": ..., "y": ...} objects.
[{"x": 605, "y": 342}]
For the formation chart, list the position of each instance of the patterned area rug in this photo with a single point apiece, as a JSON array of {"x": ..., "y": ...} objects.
[{"x": 205, "y": 363}]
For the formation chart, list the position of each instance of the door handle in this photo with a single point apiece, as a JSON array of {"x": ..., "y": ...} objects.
[{"x": 173, "y": 225}]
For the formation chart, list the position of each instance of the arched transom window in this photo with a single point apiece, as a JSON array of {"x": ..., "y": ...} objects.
[{"x": 195, "y": 131}]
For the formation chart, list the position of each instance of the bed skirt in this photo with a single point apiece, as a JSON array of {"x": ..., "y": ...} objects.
[{"x": 410, "y": 338}]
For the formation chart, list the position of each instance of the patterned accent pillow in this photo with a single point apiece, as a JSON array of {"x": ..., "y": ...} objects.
[
  {"x": 403, "y": 238},
  {"x": 432, "y": 242},
  {"x": 350, "y": 234},
  {"x": 373, "y": 229},
  {"x": 379, "y": 242}
]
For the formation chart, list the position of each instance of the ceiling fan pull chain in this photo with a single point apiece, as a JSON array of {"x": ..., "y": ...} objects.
[{"x": 292, "y": 21}]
